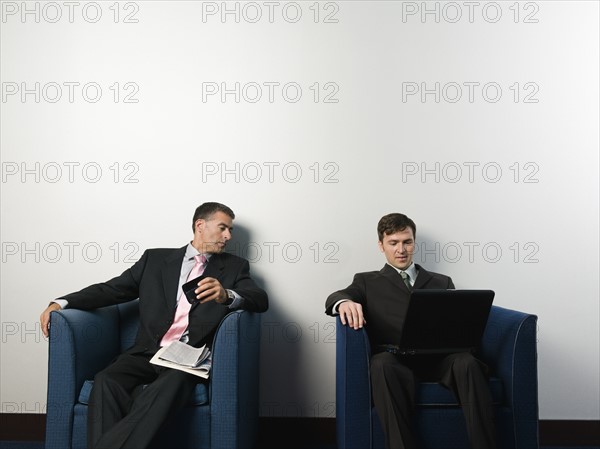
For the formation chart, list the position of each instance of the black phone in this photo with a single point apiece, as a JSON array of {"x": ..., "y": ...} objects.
[{"x": 189, "y": 287}]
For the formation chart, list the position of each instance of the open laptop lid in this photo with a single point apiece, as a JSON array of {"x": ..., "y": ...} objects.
[{"x": 445, "y": 321}]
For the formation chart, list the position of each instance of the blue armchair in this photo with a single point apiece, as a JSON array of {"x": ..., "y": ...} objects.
[
  {"x": 508, "y": 347},
  {"x": 222, "y": 414}
]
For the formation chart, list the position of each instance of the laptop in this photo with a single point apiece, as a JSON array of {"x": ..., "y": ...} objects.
[{"x": 445, "y": 321}]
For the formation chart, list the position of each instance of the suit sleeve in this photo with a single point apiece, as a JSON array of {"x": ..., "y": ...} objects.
[
  {"x": 117, "y": 290},
  {"x": 255, "y": 299},
  {"x": 354, "y": 292}
]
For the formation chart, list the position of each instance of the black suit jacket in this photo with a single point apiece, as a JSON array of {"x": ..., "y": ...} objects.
[
  {"x": 154, "y": 280},
  {"x": 384, "y": 298}
]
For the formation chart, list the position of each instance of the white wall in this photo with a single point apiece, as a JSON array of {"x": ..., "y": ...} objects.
[{"x": 502, "y": 182}]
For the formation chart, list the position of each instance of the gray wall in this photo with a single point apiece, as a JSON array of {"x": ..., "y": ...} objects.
[{"x": 311, "y": 120}]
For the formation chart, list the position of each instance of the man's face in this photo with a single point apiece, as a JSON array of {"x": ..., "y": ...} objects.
[
  {"x": 398, "y": 248},
  {"x": 213, "y": 233}
]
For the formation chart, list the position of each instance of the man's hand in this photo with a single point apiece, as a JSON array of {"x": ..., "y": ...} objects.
[
  {"x": 351, "y": 313},
  {"x": 210, "y": 289},
  {"x": 45, "y": 317}
]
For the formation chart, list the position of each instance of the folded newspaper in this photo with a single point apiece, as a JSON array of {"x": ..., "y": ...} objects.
[{"x": 181, "y": 356}]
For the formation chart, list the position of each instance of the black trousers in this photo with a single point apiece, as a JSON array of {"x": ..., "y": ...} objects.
[
  {"x": 394, "y": 379},
  {"x": 122, "y": 414}
]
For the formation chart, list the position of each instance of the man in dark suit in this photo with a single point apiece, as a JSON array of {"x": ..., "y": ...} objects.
[
  {"x": 379, "y": 300},
  {"x": 121, "y": 414}
]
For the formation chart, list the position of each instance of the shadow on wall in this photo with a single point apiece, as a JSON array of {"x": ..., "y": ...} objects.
[{"x": 281, "y": 354}]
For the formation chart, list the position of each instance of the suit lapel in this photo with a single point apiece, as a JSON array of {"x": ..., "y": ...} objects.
[
  {"x": 215, "y": 267},
  {"x": 170, "y": 274},
  {"x": 423, "y": 277},
  {"x": 394, "y": 277}
]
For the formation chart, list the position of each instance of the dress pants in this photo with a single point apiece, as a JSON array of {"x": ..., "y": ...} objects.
[
  {"x": 394, "y": 379},
  {"x": 122, "y": 414}
]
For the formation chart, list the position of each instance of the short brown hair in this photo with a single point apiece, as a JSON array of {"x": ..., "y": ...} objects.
[
  {"x": 391, "y": 223},
  {"x": 206, "y": 210}
]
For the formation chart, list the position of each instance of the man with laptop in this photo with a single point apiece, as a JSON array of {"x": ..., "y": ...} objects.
[{"x": 378, "y": 300}]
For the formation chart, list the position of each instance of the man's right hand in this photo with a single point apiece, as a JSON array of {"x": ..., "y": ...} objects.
[
  {"x": 351, "y": 313},
  {"x": 45, "y": 317}
]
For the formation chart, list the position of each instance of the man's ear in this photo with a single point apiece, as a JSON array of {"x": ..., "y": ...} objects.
[
  {"x": 199, "y": 225},
  {"x": 380, "y": 244}
]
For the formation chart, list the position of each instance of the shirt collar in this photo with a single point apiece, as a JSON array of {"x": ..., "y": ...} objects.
[{"x": 191, "y": 252}]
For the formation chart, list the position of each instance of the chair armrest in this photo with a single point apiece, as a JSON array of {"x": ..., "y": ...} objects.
[
  {"x": 353, "y": 387},
  {"x": 509, "y": 347},
  {"x": 81, "y": 343},
  {"x": 234, "y": 381}
]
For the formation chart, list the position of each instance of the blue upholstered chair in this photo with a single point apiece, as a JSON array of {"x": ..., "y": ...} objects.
[
  {"x": 222, "y": 414},
  {"x": 508, "y": 347}
]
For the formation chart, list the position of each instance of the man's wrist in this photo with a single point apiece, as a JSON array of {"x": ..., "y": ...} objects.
[
  {"x": 229, "y": 297},
  {"x": 63, "y": 303}
]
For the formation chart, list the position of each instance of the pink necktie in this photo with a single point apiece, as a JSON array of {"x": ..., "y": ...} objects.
[{"x": 180, "y": 323}]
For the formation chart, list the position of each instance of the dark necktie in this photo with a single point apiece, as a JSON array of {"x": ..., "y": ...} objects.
[{"x": 406, "y": 280}]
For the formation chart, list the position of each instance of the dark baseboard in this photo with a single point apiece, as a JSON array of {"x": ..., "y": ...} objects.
[
  {"x": 569, "y": 433},
  {"x": 296, "y": 432},
  {"x": 312, "y": 431},
  {"x": 22, "y": 426}
]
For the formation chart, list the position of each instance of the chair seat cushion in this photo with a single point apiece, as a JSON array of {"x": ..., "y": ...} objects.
[
  {"x": 200, "y": 396},
  {"x": 434, "y": 394}
]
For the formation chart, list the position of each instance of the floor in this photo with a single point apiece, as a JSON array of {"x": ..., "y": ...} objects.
[{"x": 40, "y": 445}]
